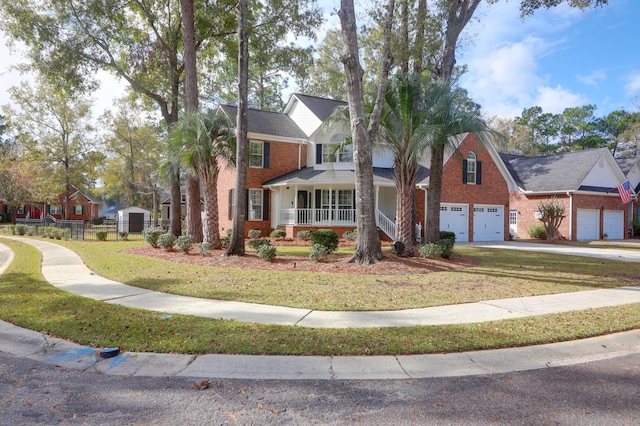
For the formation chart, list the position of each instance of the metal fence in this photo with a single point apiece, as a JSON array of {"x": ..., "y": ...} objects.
[{"x": 79, "y": 230}]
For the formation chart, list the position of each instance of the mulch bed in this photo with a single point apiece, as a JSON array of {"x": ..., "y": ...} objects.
[{"x": 389, "y": 265}]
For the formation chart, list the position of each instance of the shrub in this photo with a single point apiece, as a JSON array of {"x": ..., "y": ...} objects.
[
  {"x": 101, "y": 235},
  {"x": 254, "y": 233},
  {"x": 326, "y": 237},
  {"x": 636, "y": 227},
  {"x": 350, "y": 235},
  {"x": 32, "y": 231},
  {"x": 278, "y": 233},
  {"x": 446, "y": 245},
  {"x": 267, "y": 252},
  {"x": 537, "y": 231},
  {"x": 319, "y": 252},
  {"x": 4, "y": 217},
  {"x": 448, "y": 235},
  {"x": 204, "y": 248},
  {"x": 21, "y": 229},
  {"x": 167, "y": 241},
  {"x": 304, "y": 235},
  {"x": 123, "y": 235},
  {"x": 98, "y": 221},
  {"x": 184, "y": 243},
  {"x": 65, "y": 233},
  {"x": 255, "y": 244},
  {"x": 229, "y": 231},
  {"x": 152, "y": 234},
  {"x": 11, "y": 229},
  {"x": 225, "y": 241},
  {"x": 430, "y": 251}
]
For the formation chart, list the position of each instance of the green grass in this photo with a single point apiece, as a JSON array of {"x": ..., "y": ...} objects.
[
  {"x": 28, "y": 301},
  {"x": 502, "y": 274}
]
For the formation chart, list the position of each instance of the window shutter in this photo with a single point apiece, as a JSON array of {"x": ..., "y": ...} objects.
[
  {"x": 265, "y": 204},
  {"x": 478, "y": 172},
  {"x": 230, "y": 205},
  {"x": 267, "y": 155},
  {"x": 246, "y": 204},
  {"x": 464, "y": 171},
  {"x": 319, "y": 153}
]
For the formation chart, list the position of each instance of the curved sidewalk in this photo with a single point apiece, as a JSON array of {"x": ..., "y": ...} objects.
[{"x": 64, "y": 269}]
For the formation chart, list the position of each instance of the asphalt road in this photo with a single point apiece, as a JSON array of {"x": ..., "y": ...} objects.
[{"x": 597, "y": 393}]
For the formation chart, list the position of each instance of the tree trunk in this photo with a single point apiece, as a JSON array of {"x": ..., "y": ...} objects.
[
  {"x": 459, "y": 14},
  {"x": 405, "y": 209},
  {"x": 434, "y": 194},
  {"x": 211, "y": 231},
  {"x": 368, "y": 249},
  {"x": 192, "y": 192},
  {"x": 236, "y": 245}
]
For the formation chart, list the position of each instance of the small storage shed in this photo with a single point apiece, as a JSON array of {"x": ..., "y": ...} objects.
[{"x": 133, "y": 219}]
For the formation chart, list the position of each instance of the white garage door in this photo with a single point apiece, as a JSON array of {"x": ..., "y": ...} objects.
[
  {"x": 455, "y": 218},
  {"x": 488, "y": 223},
  {"x": 613, "y": 224},
  {"x": 588, "y": 224}
]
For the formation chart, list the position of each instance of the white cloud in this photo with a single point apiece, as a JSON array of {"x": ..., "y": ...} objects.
[
  {"x": 592, "y": 79},
  {"x": 633, "y": 86},
  {"x": 556, "y": 99}
]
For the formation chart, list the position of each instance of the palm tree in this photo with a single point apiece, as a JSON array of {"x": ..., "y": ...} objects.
[
  {"x": 203, "y": 142},
  {"x": 417, "y": 117}
]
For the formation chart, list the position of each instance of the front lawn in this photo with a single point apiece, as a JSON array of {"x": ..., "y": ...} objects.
[{"x": 28, "y": 301}]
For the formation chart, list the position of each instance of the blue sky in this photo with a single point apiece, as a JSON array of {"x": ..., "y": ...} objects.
[{"x": 555, "y": 59}]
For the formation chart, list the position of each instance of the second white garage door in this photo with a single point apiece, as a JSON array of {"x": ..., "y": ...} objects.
[
  {"x": 488, "y": 223},
  {"x": 588, "y": 224},
  {"x": 613, "y": 224}
]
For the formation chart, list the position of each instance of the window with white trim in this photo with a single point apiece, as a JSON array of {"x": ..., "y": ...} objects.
[
  {"x": 345, "y": 199},
  {"x": 513, "y": 217},
  {"x": 337, "y": 153},
  {"x": 255, "y": 204},
  {"x": 77, "y": 209},
  {"x": 20, "y": 210},
  {"x": 471, "y": 168},
  {"x": 256, "y": 154},
  {"x": 55, "y": 209}
]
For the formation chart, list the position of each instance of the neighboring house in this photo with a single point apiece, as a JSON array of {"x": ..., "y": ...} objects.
[
  {"x": 584, "y": 181},
  {"x": 631, "y": 169},
  {"x": 83, "y": 207},
  {"x": 165, "y": 207}
]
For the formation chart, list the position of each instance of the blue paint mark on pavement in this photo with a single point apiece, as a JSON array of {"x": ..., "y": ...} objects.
[
  {"x": 73, "y": 355},
  {"x": 117, "y": 360}
]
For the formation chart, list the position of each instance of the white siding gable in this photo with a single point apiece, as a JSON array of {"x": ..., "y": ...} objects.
[
  {"x": 302, "y": 116},
  {"x": 634, "y": 175},
  {"x": 604, "y": 174}
]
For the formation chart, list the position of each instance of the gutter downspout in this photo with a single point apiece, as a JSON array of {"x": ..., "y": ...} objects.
[{"x": 570, "y": 195}]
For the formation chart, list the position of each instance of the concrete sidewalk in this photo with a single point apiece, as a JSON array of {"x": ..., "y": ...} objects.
[{"x": 64, "y": 269}]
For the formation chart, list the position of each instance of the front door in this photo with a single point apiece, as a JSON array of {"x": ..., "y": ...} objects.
[{"x": 303, "y": 204}]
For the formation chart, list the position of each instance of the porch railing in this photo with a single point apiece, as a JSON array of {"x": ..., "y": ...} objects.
[
  {"x": 318, "y": 217},
  {"x": 388, "y": 226}
]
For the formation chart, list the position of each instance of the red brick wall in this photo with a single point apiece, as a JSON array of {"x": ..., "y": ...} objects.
[
  {"x": 283, "y": 159},
  {"x": 493, "y": 188}
]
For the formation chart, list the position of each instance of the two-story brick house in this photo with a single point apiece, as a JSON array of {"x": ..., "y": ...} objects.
[
  {"x": 301, "y": 176},
  {"x": 82, "y": 207}
]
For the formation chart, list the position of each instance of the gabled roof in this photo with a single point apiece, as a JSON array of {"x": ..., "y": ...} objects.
[
  {"x": 555, "y": 173},
  {"x": 266, "y": 122},
  {"x": 310, "y": 176},
  {"x": 321, "y": 107},
  {"x": 626, "y": 163}
]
